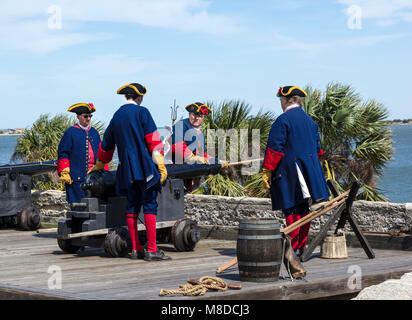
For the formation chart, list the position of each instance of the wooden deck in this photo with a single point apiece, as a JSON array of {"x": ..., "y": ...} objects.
[{"x": 26, "y": 257}]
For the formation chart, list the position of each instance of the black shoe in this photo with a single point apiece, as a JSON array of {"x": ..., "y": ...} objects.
[
  {"x": 137, "y": 255},
  {"x": 155, "y": 256},
  {"x": 299, "y": 252}
]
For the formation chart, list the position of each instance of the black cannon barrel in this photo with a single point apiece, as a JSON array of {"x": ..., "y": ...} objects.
[
  {"x": 188, "y": 171},
  {"x": 30, "y": 168},
  {"x": 101, "y": 183}
]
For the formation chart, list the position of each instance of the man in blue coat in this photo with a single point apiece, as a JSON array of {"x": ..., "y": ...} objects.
[
  {"x": 291, "y": 168},
  {"x": 141, "y": 169},
  {"x": 77, "y": 151},
  {"x": 188, "y": 141}
]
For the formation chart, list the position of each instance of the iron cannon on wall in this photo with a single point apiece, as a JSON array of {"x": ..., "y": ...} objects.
[
  {"x": 99, "y": 220},
  {"x": 16, "y": 207}
]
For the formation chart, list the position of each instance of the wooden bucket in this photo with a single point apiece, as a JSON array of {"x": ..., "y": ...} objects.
[
  {"x": 334, "y": 247},
  {"x": 259, "y": 250}
]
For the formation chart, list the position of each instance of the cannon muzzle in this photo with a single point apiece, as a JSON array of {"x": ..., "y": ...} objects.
[{"x": 31, "y": 168}]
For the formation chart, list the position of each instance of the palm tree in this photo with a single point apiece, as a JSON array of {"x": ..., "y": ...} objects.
[
  {"x": 40, "y": 142},
  {"x": 354, "y": 136},
  {"x": 232, "y": 116}
]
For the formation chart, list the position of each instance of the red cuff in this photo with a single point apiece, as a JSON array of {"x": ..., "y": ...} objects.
[
  {"x": 106, "y": 167},
  {"x": 105, "y": 156},
  {"x": 320, "y": 153},
  {"x": 182, "y": 149},
  {"x": 272, "y": 159},
  {"x": 153, "y": 142},
  {"x": 206, "y": 156},
  {"x": 62, "y": 164}
]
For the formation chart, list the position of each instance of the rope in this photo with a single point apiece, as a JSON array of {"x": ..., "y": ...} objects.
[
  {"x": 283, "y": 257},
  {"x": 206, "y": 283}
]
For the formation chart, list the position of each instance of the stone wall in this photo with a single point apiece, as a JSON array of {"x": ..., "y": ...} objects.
[
  {"x": 52, "y": 204},
  {"x": 226, "y": 211}
]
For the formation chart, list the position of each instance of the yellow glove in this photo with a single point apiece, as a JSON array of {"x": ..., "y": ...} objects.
[
  {"x": 98, "y": 166},
  {"x": 192, "y": 159},
  {"x": 225, "y": 164},
  {"x": 160, "y": 162},
  {"x": 65, "y": 176},
  {"x": 266, "y": 178}
]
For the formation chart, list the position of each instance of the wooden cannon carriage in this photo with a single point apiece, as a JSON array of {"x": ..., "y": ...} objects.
[
  {"x": 99, "y": 220},
  {"x": 16, "y": 207}
]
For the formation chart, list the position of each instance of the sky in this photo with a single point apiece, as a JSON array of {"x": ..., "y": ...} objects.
[{"x": 55, "y": 53}]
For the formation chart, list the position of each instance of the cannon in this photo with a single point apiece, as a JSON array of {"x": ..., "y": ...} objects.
[
  {"x": 99, "y": 220},
  {"x": 16, "y": 207}
]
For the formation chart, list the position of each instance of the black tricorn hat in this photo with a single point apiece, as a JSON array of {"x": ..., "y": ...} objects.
[
  {"x": 133, "y": 89},
  {"x": 290, "y": 91},
  {"x": 80, "y": 108},
  {"x": 199, "y": 108}
]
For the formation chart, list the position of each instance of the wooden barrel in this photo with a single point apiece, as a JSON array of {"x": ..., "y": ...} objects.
[{"x": 259, "y": 250}]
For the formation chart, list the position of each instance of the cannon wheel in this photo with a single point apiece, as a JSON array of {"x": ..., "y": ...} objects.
[
  {"x": 184, "y": 234},
  {"x": 29, "y": 218},
  {"x": 117, "y": 243},
  {"x": 66, "y": 246}
]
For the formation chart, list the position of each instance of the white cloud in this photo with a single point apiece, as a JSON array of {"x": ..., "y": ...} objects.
[
  {"x": 33, "y": 36},
  {"x": 386, "y": 12},
  {"x": 24, "y": 23},
  {"x": 308, "y": 49}
]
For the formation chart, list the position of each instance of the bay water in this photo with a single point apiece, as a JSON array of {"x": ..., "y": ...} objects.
[
  {"x": 396, "y": 181},
  {"x": 7, "y": 145},
  {"x": 395, "y": 184}
]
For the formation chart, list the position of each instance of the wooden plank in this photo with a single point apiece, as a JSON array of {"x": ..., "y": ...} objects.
[
  {"x": 140, "y": 227},
  {"x": 92, "y": 275},
  {"x": 307, "y": 290}
]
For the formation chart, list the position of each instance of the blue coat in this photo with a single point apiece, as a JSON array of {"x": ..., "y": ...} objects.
[
  {"x": 73, "y": 152},
  {"x": 132, "y": 130},
  {"x": 186, "y": 139},
  {"x": 294, "y": 139}
]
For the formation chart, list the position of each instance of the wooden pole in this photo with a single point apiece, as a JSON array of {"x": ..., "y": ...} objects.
[
  {"x": 98, "y": 232},
  {"x": 50, "y": 230},
  {"x": 339, "y": 200},
  {"x": 313, "y": 215},
  {"x": 243, "y": 162}
]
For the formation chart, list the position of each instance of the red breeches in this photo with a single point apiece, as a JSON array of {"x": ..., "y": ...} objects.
[
  {"x": 150, "y": 223},
  {"x": 300, "y": 235}
]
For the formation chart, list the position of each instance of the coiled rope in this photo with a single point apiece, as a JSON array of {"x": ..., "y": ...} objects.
[{"x": 205, "y": 283}]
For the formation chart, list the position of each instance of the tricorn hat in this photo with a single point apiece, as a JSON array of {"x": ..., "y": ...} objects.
[
  {"x": 80, "y": 108},
  {"x": 199, "y": 108},
  {"x": 290, "y": 91},
  {"x": 133, "y": 89}
]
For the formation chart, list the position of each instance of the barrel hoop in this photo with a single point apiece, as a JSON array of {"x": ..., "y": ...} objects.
[
  {"x": 262, "y": 279},
  {"x": 258, "y": 264},
  {"x": 259, "y": 227},
  {"x": 251, "y": 237},
  {"x": 268, "y": 221}
]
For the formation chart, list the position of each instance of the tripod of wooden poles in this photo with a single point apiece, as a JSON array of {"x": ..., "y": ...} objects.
[{"x": 328, "y": 206}]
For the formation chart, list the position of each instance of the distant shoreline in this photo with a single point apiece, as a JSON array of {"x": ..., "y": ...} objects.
[{"x": 403, "y": 122}]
